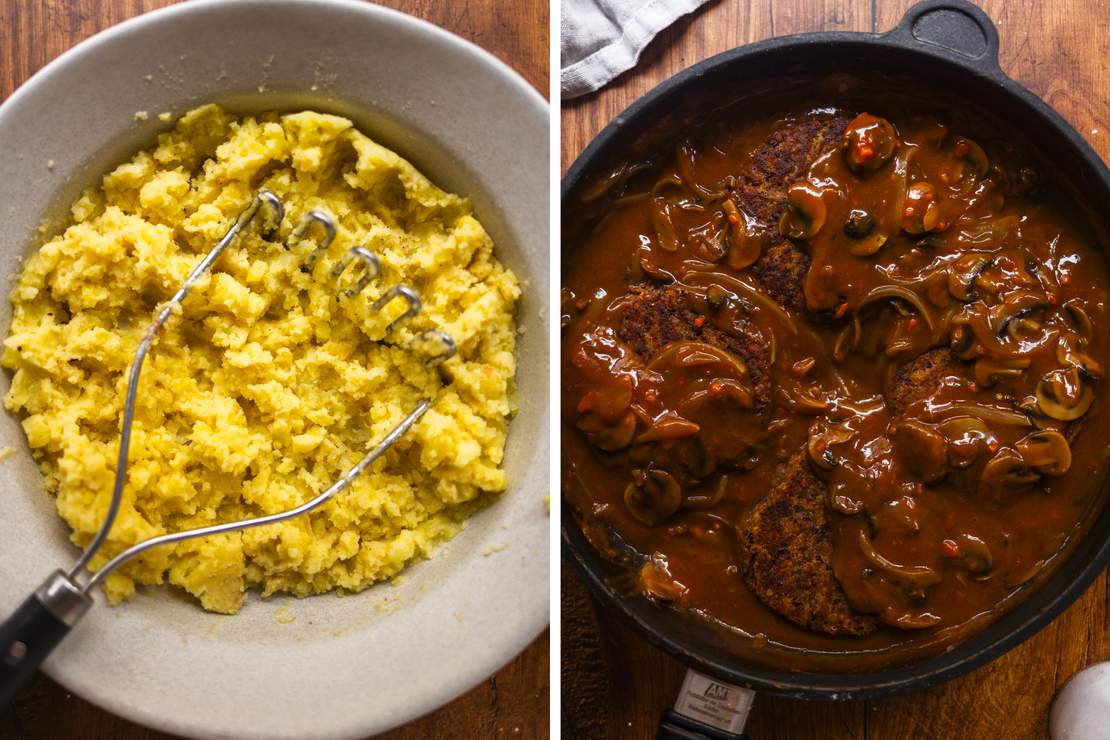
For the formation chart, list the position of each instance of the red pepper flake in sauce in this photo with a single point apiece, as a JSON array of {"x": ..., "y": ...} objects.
[
  {"x": 912, "y": 323},
  {"x": 950, "y": 549},
  {"x": 651, "y": 395},
  {"x": 1065, "y": 279},
  {"x": 586, "y": 405},
  {"x": 1052, "y": 299},
  {"x": 716, "y": 387},
  {"x": 699, "y": 322},
  {"x": 841, "y": 310}
]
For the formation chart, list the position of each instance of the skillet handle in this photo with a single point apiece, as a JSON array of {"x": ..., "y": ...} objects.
[
  {"x": 954, "y": 29},
  {"x": 31, "y": 633}
]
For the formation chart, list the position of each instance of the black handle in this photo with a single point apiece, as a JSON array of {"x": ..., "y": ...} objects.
[
  {"x": 29, "y": 635},
  {"x": 955, "y": 29},
  {"x": 26, "y": 639}
]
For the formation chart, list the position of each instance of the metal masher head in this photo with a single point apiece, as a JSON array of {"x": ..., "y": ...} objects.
[{"x": 436, "y": 344}]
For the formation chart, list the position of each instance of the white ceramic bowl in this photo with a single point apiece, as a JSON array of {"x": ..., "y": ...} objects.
[{"x": 344, "y": 667}]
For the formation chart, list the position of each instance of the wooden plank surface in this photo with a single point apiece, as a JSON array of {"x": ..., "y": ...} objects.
[
  {"x": 512, "y": 703},
  {"x": 614, "y": 684}
]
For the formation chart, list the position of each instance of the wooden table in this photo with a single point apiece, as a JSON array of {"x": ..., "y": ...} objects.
[
  {"x": 615, "y": 684},
  {"x": 512, "y": 703}
]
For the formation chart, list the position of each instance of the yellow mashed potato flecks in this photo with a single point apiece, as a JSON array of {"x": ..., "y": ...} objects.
[{"x": 267, "y": 387}]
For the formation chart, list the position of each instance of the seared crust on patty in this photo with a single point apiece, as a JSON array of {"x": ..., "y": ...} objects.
[
  {"x": 760, "y": 192},
  {"x": 786, "y": 555},
  {"x": 919, "y": 378},
  {"x": 655, "y": 317}
]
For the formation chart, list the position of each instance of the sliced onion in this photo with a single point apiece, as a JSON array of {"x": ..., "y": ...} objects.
[
  {"x": 889, "y": 292},
  {"x": 920, "y": 576},
  {"x": 988, "y": 414}
]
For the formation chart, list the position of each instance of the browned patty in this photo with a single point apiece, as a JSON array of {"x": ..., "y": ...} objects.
[
  {"x": 786, "y": 555},
  {"x": 654, "y": 317},
  {"x": 915, "y": 380},
  {"x": 760, "y": 192}
]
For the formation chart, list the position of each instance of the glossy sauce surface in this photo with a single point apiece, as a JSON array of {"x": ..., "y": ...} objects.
[{"x": 942, "y": 510}]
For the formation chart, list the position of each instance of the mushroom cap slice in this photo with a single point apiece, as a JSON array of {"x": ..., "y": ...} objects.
[
  {"x": 1007, "y": 468},
  {"x": 1047, "y": 451},
  {"x": 869, "y": 142},
  {"x": 1070, "y": 352},
  {"x": 652, "y": 496},
  {"x": 962, "y": 274},
  {"x": 968, "y": 437},
  {"x": 1062, "y": 395},
  {"x": 805, "y": 214}
]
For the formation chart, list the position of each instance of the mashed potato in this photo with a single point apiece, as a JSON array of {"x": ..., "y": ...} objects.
[{"x": 267, "y": 387}]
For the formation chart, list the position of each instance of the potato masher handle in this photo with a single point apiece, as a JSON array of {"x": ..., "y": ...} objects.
[{"x": 32, "y": 632}]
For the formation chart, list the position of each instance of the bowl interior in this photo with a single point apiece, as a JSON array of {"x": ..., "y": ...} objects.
[
  {"x": 343, "y": 667},
  {"x": 766, "y": 76}
]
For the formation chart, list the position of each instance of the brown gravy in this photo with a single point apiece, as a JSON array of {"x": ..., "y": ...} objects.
[{"x": 920, "y": 236}]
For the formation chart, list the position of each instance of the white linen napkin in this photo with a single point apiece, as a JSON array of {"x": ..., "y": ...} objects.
[{"x": 602, "y": 38}]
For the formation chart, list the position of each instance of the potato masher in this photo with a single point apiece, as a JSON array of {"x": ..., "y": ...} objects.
[{"x": 32, "y": 632}]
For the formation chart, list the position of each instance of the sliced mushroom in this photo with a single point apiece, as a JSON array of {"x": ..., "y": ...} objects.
[
  {"x": 1062, "y": 395},
  {"x": 608, "y": 436},
  {"x": 860, "y": 223},
  {"x": 962, "y": 274},
  {"x": 988, "y": 372},
  {"x": 963, "y": 342},
  {"x": 1014, "y": 307},
  {"x": 975, "y": 554},
  {"x": 744, "y": 247},
  {"x": 971, "y": 153},
  {"x": 652, "y": 496},
  {"x": 860, "y": 228},
  {"x": 968, "y": 439},
  {"x": 1007, "y": 468},
  {"x": 805, "y": 214},
  {"x": 1039, "y": 420},
  {"x": 822, "y": 437},
  {"x": 1079, "y": 318},
  {"x": 868, "y": 245},
  {"x": 869, "y": 142},
  {"x": 921, "y": 209},
  {"x": 1024, "y": 329},
  {"x": 696, "y": 458},
  {"x": 1047, "y": 451},
  {"x": 1069, "y": 352},
  {"x": 923, "y": 448}
]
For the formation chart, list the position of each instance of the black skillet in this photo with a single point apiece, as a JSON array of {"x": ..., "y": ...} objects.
[{"x": 954, "y": 46}]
